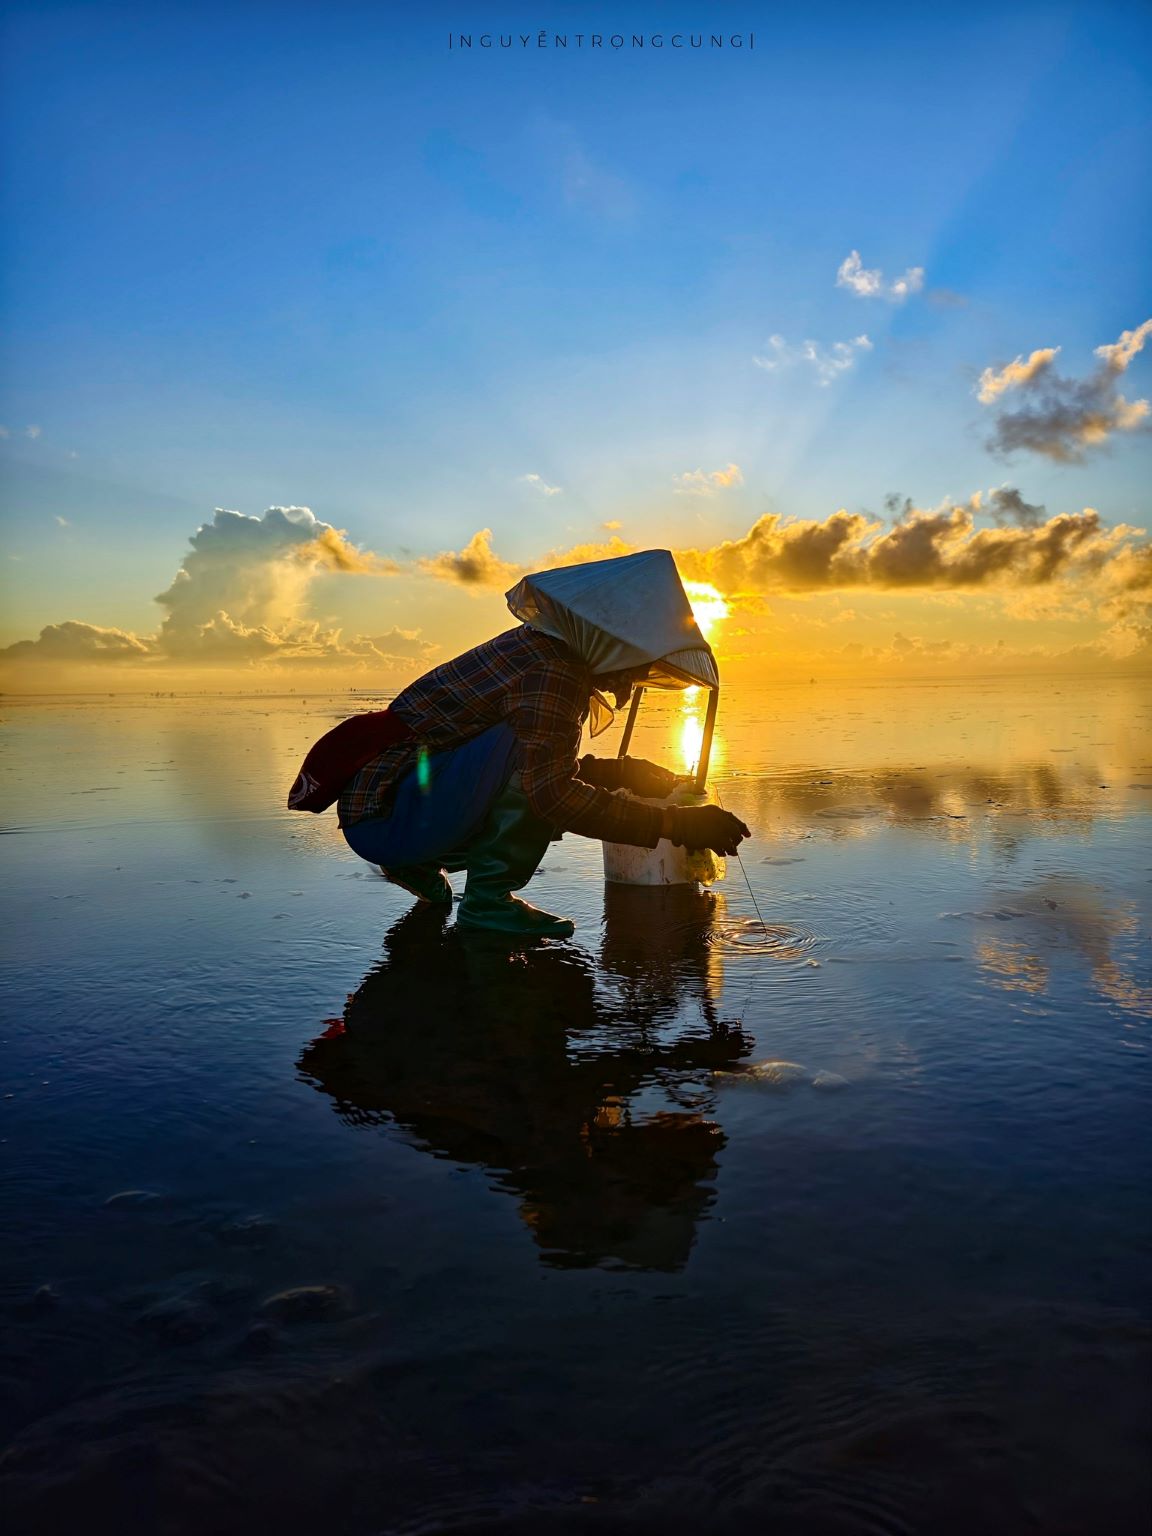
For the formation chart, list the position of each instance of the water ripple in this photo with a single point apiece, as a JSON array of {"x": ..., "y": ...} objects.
[{"x": 781, "y": 941}]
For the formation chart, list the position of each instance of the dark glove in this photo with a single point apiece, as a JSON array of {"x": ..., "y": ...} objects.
[
  {"x": 647, "y": 780},
  {"x": 630, "y": 773},
  {"x": 705, "y": 826}
]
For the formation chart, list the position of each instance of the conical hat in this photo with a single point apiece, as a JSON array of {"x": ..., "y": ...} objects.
[{"x": 623, "y": 613}]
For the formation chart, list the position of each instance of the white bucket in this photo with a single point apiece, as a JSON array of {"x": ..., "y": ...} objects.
[{"x": 666, "y": 864}]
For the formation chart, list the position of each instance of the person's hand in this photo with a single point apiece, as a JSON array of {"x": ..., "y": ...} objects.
[
  {"x": 704, "y": 826},
  {"x": 645, "y": 779}
]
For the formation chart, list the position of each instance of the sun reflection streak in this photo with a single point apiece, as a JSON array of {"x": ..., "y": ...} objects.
[
  {"x": 691, "y": 737},
  {"x": 686, "y": 731}
]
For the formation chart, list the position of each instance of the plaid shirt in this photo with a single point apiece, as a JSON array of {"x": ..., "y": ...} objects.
[{"x": 533, "y": 683}]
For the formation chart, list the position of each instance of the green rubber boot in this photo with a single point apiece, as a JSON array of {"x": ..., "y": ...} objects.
[
  {"x": 426, "y": 881},
  {"x": 501, "y": 859}
]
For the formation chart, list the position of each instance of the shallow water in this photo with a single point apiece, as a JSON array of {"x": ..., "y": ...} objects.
[{"x": 820, "y": 1207}]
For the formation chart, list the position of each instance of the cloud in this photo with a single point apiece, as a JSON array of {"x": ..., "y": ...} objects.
[
  {"x": 1126, "y": 586},
  {"x": 828, "y": 363},
  {"x": 1064, "y": 418},
  {"x": 1007, "y": 506},
  {"x": 938, "y": 549},
  {"x": 238, "y": 596},
  {"x": 1131, "y": 569},
  {"x": 63, "y": 522},
  {"x": 542, "y": 485},
  {"x": 399, "y": 645},
  {"x": 994, "y": 381},
  {"x": 612, "y": 524},
  {"x": 915, "y": 654},
  {"x": 476, "y": 565},
  {"x": 33, "y": 432},
  {"x": 868, "y": 283},
  {"x": 74, "y": 641},
  {"x": 780, "y": 554},
  {"x": 1129, "y": 642},
  {"x": 584, "y": 554},
  {"x": 946, "y": 298},
  {"x": 1118, "y": 354},
  {"x": 244, "y": 581},
  {"x": 695, "y": 482},
  {"x": 904, "y": 646},
  {"x": 221, "y": 641},
  {"x": 4, "y": 432}
]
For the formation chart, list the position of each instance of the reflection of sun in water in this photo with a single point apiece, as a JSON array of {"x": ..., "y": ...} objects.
[
  {"x": 691, "y": 730},
  {"x": 708, "y": 607}
]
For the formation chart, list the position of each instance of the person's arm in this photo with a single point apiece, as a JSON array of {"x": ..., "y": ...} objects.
[
  {"x": 635, "y": 774},
  {"x": 548, "y": 717}
]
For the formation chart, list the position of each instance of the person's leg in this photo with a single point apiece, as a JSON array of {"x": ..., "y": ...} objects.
[
  {"x": 502, "y": 858},
  {"x": 436, "y": 810},
  {"x": 427, "y": 882}
]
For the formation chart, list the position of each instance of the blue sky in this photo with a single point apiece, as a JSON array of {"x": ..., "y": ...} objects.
[{"x": 290, "y": 254}]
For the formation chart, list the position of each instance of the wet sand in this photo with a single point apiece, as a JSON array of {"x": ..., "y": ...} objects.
[{"x": 320, "y": 1212}]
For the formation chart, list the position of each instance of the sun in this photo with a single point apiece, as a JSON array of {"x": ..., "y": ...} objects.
[{"x": 708, "y": 606}]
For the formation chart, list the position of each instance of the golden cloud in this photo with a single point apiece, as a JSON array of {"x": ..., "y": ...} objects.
[
  {"x": 994, "y": 381},
  {"x": 936, "y": 549},
  {"x": 698, "y": 482},
  {"x": 476, "y": 565}
]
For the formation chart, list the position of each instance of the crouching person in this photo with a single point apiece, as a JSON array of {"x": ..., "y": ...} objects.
[{"x": 478, "y": 766}]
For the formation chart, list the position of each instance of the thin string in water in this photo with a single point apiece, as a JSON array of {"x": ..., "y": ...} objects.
[
  {"x": 744, "y": 872},
  {"x": 756, "y": 904},
  {"x": 739, "y": 860}
]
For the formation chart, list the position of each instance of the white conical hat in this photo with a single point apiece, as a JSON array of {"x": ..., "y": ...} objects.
[{"x": 628, "y": 612}]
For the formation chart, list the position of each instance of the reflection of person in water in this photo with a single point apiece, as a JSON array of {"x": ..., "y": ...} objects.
[
  {"x": 522, "y": 1064},
  {"x": 656, "y": 946}
]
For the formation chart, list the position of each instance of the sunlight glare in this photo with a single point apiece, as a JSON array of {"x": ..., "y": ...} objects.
[
  {"x": 708, "y": 606},
  {"x": 691, "y": 734},
  {"x": 691, "y": 740}
]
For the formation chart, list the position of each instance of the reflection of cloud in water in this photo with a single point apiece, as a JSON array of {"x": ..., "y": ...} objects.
[
  {"x": 782, "y": 1075},
  {"x": 516, "y": 1061},
  {"x": 954, "y": 803},
  {"x": 1096, "y": 729},
  {"x": 1067, "y": 915},
  {"x": 1012, "y": 965}
]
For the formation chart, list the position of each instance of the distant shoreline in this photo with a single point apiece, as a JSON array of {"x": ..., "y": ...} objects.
[{"x": 367, "y": 694}]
